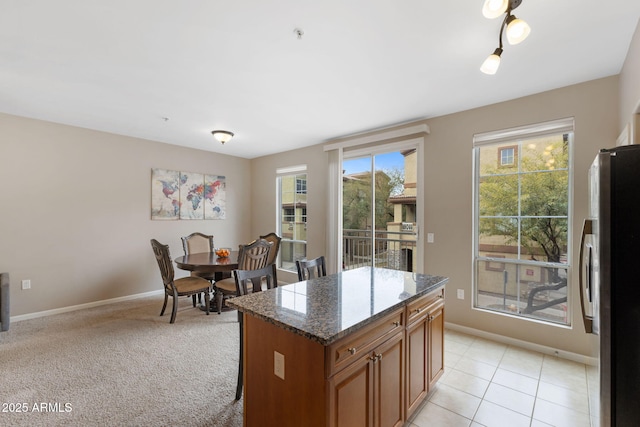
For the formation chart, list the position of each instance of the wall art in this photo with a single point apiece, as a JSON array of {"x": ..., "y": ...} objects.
[{"x": 187, "y": 195}]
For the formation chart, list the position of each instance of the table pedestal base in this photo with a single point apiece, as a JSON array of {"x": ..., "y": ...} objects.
[{"x": 213, "y": 306}]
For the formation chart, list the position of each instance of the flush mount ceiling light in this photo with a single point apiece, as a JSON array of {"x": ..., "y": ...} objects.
[
  {"x": 222, "y": 135},
  {"x": 517, "y": 29}
]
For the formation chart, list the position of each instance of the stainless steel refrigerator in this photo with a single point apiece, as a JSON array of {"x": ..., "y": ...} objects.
[{"x": 610, "y": 281}]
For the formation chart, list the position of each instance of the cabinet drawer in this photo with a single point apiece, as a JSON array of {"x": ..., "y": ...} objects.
[
  {"x": 423, "y": 305},
  {"x": 348, "y": 349}
]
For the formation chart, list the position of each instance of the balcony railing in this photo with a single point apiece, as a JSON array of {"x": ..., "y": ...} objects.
[{"x": 389, "y": 249}]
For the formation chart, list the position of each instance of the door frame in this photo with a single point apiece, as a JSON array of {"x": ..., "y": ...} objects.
[{"x": 411, "y": 137}]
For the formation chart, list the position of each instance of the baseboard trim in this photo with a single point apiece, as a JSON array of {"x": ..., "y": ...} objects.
[
  {"x": 580, "y": 358},
  {"x": 82, "y": 306}
]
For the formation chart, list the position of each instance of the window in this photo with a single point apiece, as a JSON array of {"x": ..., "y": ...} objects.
[
  {"x": 301, "y": 185},
  {"x": 522, "y": 233},
  {"x": 288, "y": 214},
  {"x": 507, "y": 156},
  {"x": 292, "y": 218}
]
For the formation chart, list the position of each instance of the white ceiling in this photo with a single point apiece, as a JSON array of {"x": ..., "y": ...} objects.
[{"x": 123, "y": 66}]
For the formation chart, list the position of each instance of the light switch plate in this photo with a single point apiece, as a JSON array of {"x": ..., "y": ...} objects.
[
  {"x": 430, "y": 237},
  {"x": 278, "y": 364},
  {"x": 460, "y": 293}
]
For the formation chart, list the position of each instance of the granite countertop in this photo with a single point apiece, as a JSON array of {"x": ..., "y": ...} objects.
[{"x": 327, "y": 308}]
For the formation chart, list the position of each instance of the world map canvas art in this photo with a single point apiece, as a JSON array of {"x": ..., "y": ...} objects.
[{"x": 187, "y": 195}]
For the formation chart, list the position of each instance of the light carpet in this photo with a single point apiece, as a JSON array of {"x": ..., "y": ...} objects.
[{"x": 121, "y": 365}]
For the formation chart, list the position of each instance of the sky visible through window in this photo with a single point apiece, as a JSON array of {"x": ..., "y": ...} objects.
[{"x": 387, "y": 161}]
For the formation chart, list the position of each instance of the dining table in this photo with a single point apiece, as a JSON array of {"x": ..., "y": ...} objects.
[{"x": 209, "y": 262}]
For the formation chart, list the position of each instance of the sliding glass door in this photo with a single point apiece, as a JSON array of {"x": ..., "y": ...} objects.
[{"x": 379, "y": 195}]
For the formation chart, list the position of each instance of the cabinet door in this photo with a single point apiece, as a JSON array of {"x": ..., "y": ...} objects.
[
  {"x": 417, "y": 364},
  {"x": 351, "y": 395},
  {"x": 388, "y": 362},
  {"x": 436, "y": 345}
]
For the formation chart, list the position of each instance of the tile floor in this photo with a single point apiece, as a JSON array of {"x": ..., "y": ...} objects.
[{"x": 489, "y": 384}]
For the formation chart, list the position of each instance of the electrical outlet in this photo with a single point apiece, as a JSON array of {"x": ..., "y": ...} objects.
[
  {"x": 278, "y": 364},
  {"x": 460, "y": 293},
  {"x": 430, "y": 237},
  {"x": 26, "y": 284}
]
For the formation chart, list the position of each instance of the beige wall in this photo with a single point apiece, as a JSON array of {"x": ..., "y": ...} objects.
[
  {"x": 594, "y": 106},
  {"x": 448, "y": 181},
  {"x": 630, "y": 89},
  {"x": 263, "y": 196},
  {"x": 75, "y": 215}
]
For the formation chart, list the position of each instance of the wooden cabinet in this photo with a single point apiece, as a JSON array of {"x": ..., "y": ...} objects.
[
  {"x": 375, "y": 376},
  {"x": 436, "y": 343},
  {"x": 358, "y": 344},
  {"x": 369, "y": 389},
  {"x": 425, "y": 347},
  {"x": 388, "y": 391},
  {"x": 351, "y": 395}
]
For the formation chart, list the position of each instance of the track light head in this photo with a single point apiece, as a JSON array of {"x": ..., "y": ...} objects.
[
  {"x": 517, "y": 30},
  {"x": 491, "y": 64},
  {"x": 494, "y": 8}
]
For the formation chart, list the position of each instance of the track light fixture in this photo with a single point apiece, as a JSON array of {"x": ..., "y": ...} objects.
[{"x": 517, "y": 29}]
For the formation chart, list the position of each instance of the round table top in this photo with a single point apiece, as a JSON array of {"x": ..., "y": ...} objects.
[{"x": 208, "y": 262}]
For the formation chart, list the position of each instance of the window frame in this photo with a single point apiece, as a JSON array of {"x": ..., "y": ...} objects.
[
  {"x": 301, "y": 185},
  {"x": 288, "y": 218},
  {"x": 288, "y": 214},
  {"x": 514, "y": 159},
  {"x": 516, "y": 135}
]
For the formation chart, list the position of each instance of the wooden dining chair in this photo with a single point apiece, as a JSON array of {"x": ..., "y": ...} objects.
[
  {"x": 275, "y": 249},
  {"x": 253, "y": 256},
  {"x": 198, "y": 243},
  {"x": 309, "y": 269},
  {"x": 242, "y": 278},
  {"x": 185, "y": 286},
  {"x": 275, "y": 239}
]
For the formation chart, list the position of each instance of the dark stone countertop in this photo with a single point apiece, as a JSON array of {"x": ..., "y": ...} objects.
[{"x": 327, "y": 308}]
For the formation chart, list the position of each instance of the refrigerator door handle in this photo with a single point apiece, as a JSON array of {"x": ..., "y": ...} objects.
[{"x": 586, "y": 282}]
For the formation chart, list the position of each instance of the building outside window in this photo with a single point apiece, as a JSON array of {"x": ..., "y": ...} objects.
[
  {"x": 521, "y": 225},
  {"x": 292, "y": 216}
]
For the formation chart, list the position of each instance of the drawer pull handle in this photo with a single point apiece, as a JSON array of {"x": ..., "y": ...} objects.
[
  {"x": 379, "y": 356},
  {"x": 396, "y": 324},
  {"x": 418, "y": 310},
  {"x": 352, "y": 350},
  {"x": 441, "y": 296}
]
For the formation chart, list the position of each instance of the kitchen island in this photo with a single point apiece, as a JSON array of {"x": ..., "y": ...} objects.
[{"x": 361, "y": 347}]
